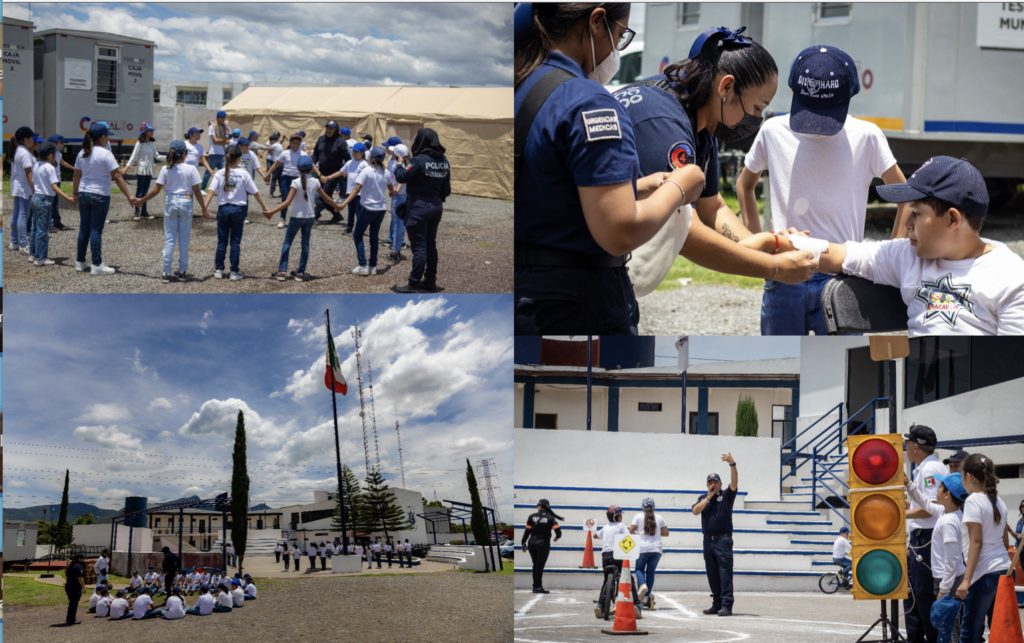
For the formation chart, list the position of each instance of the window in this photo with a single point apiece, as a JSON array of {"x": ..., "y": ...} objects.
[
  {"x": 688, "y": 13},
  {"x": 156, "y": 95},
  {"x": 650, "y": 406},
  {"x": 106, "y": 74},
  {"x": 545, "y": 420},
  {"x": 833, "y": 10},
  {"x": 157, "y": 525},
  {"x": 941, "y": 367},
  {"x": 1005, "y": 471},
  {"x": 227, "y": 95},
  {"x": 629, "y": 69},
  {"x": 21, "y": 538},
  {"x": 191, "y": 97},
  {"x": 782, "y": 422},
  {"x": 712, "y": 423}
]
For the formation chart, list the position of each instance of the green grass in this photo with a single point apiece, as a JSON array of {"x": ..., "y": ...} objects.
[
  {"x": 26, "y": 592},
  {"x": 683, "y": 268},
  {"x": 506, "y": 568}
]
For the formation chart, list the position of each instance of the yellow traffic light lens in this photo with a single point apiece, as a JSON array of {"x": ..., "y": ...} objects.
[
  {"x": 875, "y": 461},
  {"x": 877, "y": 517}
]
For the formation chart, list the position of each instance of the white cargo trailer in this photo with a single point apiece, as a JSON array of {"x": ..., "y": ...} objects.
[
  {"x": 84, "y": 77},
  {"x": 938, "y": 78},
  {"x": 17, "y": 60}
]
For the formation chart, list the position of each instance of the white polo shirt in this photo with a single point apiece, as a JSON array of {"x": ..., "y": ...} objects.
[{"x": 924, "y": 480}]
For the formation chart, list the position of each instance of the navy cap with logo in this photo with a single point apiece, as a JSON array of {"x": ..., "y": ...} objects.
[
  {"x": 823, "y": 80},
  {"x": 921, "y": 434},
  {"x": 954, "y": 181},
  {"x": 959, "y": 456},
  {"x": 714, "y": 476}
]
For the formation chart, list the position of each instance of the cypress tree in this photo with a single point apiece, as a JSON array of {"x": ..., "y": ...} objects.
[
  {"x": 746, "y": 417},
  {"x": 479, "y": 520},
  {"x": 239, "y": 493}
]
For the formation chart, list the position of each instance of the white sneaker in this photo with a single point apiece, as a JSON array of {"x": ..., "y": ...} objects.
[
  {"x": 44, "y": 262},
  {"x": 80, "y": 266},
  {"x": 360, "y": 270},
  {"x": 101, "y": 270},
  {"x": 23, "y": 250},
  {"x": 641, "y": 592},
  {"x": 12, "y": 246},
  {"x": 137, "y": 218},
  {"x": 235, "y": 276},
  {"x": 280, "y": 224},
  {"x": 218, "y": 274},
  {"x": 248, "y": 221},
  {"x": 373, "y": 270},
  {"x": 31, "y": 259}
]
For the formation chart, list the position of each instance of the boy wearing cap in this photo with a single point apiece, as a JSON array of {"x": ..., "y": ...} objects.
[
  {"x": 58, "y": 142},
  {"x": 953, "y": 281},
  {"x": 947, "y": 561},
  {"x": 820, "y": 163},
  {"x": 955, "y": 461},
  {"x": 219, "y": 136},
  {"x": 841, "y": 549},
  {"x": 46, "y": 183}
]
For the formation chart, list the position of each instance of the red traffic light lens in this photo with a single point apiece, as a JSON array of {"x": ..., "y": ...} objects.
[{"x": 875, "y": 461}]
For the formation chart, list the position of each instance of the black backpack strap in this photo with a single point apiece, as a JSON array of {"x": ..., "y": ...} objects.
[{"x": 535, "y": 99}]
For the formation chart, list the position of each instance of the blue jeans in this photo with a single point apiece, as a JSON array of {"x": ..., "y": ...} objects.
[
  {"x": 216, "y": 162},
  {"x": 249, "y": 598},
  {"x": 19, "y": 221},
  {"x": 367, "y": 219},
  {"x": 847, "y": 566},
  {"x": 304, "y": 224},
  {"x": 793, "y": 309},
  {"x": 42, "y": 208},
  {"x": 220, "y": 608},
  {"x": 286, "y": 187},
  {"x": 980, "y": 599},
  {"x": 718, "y": 565},
  {"x": 194, "y": 610},
  {"x": 646, "y": 563},
  {"x": 177, "y": 229},
  {"x": 153, "y": 613},
  {"x": 55, "y": 211},
  {"x": 396, "y": 233},
  {"x": 141, "y": 190},
  {"x": 230, "y": 224},
  {"x": 353, "y": 211},
  {"x": 92, "y": 212}
]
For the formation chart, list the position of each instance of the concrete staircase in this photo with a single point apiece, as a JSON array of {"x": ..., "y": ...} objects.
[
  {"x": 255, "y": 546},
  {"x": 780, "y": 545}
]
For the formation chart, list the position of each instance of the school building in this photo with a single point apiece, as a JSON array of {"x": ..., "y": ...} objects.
[{"x": 313, "y": 520}]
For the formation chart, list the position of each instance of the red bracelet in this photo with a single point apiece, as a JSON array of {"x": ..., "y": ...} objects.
[{"x": 776, "y": 241}]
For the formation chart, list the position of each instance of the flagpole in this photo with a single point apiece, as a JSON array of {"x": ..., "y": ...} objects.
[{"x": 337, "y": 443}]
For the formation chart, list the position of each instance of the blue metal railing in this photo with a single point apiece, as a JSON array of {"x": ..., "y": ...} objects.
[
  {"x": 823, "y": 446},
  {"x": 788, "y": 460}
]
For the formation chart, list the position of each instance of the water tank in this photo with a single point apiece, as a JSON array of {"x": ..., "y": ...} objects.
[
  {"x": 136, "y": 503},
  {"x": 627, "y": 352},
  {"x": 527, "y": 350}
]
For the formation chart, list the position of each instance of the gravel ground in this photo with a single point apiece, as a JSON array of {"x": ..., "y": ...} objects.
[
  {"x": 447, "y": 606},
  {"x": 474, "y": 246},
  {"x": 728, "y": 310}
]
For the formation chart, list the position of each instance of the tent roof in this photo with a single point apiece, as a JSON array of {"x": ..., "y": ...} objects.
[{"x": 436, "y": 103}]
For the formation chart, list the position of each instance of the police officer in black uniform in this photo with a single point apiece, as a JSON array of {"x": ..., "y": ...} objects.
[
  {"x": 715, "y": 511},
  {"x": 537, "y": 538},
  {"x": 170, "y": 566},
  {"x": 329, "y": 154},
  {"x": 427, "y": 177},
  {"x": 73, "y": 587}
]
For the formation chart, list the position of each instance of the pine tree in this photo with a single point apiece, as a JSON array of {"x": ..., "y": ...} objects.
[
  {"x": 479, "y": 521},
  {"x": 239, "y": 493},
  {"x": 63, "y": 534},
  {"x": 381, "y": 508},
  {"x": 746, "y": 417},
  {"x": 353, "y": 503}
]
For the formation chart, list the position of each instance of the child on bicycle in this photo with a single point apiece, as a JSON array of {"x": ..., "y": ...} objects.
[
  {"x": 841, "y": 555},
  {"x": 607, "y": 536}
]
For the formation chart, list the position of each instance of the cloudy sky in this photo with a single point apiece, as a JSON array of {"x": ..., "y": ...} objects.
[
  {"x": 465, "y": 44},
  {"x": 138, "y": 394}
]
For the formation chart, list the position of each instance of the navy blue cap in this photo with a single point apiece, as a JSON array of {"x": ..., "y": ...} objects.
[
  {"x": 254, "y": 133},
  {"x": 244, "y": 142},
  {"x": 301, "y": 133},
  {"x": 333, "y": 124},
  {"x": 823, "y": 80},
  {"x": 954, "y": 181},
  {"x": 56, "y": 138},
  {"x": 844, "y": 529},
  {"x": 23, "y": 133},
  {"x": 305, "y": 164},
  {"x": 45, "y": 150},
  {"x": 378, "y": 153},
  {"x": 394, "y": 140},
  {"x": 714, "y": 476},
  {"x": 222, "y": 114}
]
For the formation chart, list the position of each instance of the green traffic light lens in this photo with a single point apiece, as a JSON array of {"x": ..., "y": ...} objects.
[{"x": 879, "y": 572}]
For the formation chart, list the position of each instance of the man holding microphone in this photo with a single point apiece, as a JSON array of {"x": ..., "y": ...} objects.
[{"x": 715, "y": 511}]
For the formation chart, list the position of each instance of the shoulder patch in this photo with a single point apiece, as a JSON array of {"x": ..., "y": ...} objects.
[
  {"x": 681, "y": 154},
  {"x": 602, "y": 124},
  {"x": 929, "y": 481}
]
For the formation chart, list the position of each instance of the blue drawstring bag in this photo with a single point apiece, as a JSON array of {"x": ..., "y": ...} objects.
[{"x": 944, "y": 613}]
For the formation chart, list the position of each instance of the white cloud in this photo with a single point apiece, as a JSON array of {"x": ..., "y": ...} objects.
[
  {"x": 139, "y": 367},
  {"x": 192, "y": 491},
  {"x": 106, "y": 413},
  {"x": 203, "y": 323},
  {"x": 110, "y": 437},
  {"x": 220, "y": 417},
  {"x": 166, "y": 435},
  {"x": 16, "y": 483},
  {"x": 96, "y": 492},
  {"x": 160, "y": 403}
]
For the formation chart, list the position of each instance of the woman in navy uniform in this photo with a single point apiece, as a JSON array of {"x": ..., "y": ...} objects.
[
  {"x": 581, "y": 207},
  {"x": 717, "y": 94}
]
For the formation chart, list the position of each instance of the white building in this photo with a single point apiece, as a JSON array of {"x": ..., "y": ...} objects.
[
  {"x": 20, "y": 540},
  {"x": 313, "y": 521}
]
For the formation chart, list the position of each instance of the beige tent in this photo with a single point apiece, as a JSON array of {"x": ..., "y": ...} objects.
[{"x": 475, "y": 125}]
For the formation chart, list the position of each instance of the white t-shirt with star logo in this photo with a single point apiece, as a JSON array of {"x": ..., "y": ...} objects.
[{"x": 982, "y": 296}]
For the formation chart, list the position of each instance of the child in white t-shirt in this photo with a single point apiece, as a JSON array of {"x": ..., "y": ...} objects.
[
  {"x": 820, "y": 163},
  {"x": 841, "y": 549},
  {"x": 303, "y": 194},
  {"x": 372, "y": 184},
  {"x": 146, "y": 154},
  {"x": 947, "y": 559},
  {"x": 232, "y": 185},
  {"x": 204, "y": 604},
  {"x": 46, "y": 182},
  {"x": 103, "y": 604},
  {"x": 953, "y": 281},
  {"x": 607, "y": 536},
  {"x": 175, "y": 605},
  {"x": 120, "y": 608},
  {"x": 224, "y": 600},
  {"x": 350, "y": 170}
]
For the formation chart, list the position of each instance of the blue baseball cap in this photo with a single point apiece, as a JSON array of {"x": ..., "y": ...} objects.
[
  {"x": 954, "y": 484},
  {"x": 23, "y": 133},
  {"x": 236, "y": 132},
  {"x": 333, "y": 124},
  {"x": 394, "y": 140},
  {"x": 954, "y": 181},
  {"x": 305, "y": 164},
  {"x": 56, "y": 138},
  {"x": 222, "y": 114},
  {"x": 38, "y": 139},
  {"x": 146, "y": 127},
  {"x": 302, "y": 134},
  {"x": 346, "y": 131},
  {"x": 823, "y": 80},
  {"x": 244, "y": 142},
  {"x": 844, "y": 529},
  {"x": 378, "y": 152},
  {"x": 235, "y": 582},
  {"x": 254, "y": 134},
  {"x": 193, "y": 130},
  {"x": 359, "y": 147}
]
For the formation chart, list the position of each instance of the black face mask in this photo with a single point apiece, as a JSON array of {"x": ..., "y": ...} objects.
[{"x": 747, "y": 127}]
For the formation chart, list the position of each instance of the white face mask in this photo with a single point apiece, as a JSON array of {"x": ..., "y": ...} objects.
[{"x": 609, "y": 66}]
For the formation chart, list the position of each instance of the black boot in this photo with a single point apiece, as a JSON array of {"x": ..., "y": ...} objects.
[
  {"x": 428, "y": 286},
  {"x": 410, "y": 288}
]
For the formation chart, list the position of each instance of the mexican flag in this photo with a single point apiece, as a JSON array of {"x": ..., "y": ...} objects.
[{"x": 333, "y": 366}]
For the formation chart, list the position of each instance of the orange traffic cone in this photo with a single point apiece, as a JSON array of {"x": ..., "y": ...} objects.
[
  {"x": 588, "y": 554},
  {"x": 1006, "y": 616},
  {"x": 625, "y": 617}
]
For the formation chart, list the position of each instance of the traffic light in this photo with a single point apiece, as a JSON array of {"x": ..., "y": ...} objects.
[{"x": 878, "y": 517}]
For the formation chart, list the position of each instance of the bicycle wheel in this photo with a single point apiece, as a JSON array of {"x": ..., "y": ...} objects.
[
  {"x": 609, "y": 594},
  {"x": 828, "y": 583}
]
